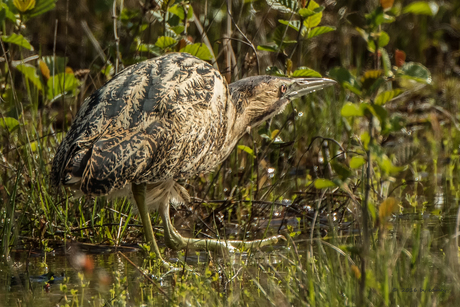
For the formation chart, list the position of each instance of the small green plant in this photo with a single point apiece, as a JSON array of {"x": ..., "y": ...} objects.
[{"x": 303, "y": 25}]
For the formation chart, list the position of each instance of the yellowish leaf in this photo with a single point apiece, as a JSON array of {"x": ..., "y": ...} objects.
[
  {"x": 356, "y": 271},
  {"x": 387, "y": 207},
  {"x": 44, "y": 69},
  {"x": 24, "y": 5},
  {"x": 386, "y": 4}
]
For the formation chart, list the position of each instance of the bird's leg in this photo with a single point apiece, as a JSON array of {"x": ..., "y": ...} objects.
[
  {"x": 174, "y": 240},
  {"x": 139, "y": 195}
]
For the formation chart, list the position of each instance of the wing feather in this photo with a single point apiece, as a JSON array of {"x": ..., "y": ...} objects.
[{"x": 150, "y": 123}]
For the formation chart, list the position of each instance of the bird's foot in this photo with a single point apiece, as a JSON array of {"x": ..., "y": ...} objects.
[{"x": 176, "y": 241}]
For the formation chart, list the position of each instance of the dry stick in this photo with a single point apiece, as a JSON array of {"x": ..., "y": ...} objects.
[
  {"x": 115, "y": 34},
  {"x": 94, "y": 41},
  {"x": 314, "y": 220},
  {"x": 228, "y": 45},
  {"x": 205, "y": 39},
  {"x": 457, "y": 226},
  {"x": 146, "y": 276},
  {"x": 244, "y": 36},
  {"x": 54, "y": 54},
  {"x": 119, "y": 231}
]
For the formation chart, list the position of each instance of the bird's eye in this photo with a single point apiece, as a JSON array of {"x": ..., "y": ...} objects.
[{"x": 283, "y": 89}]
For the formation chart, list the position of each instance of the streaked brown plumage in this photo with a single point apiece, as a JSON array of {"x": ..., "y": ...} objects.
[{"x": 163, "y": 120}]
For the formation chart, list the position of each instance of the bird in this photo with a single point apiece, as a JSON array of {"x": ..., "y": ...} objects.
[{"x": 163, "y": 120}]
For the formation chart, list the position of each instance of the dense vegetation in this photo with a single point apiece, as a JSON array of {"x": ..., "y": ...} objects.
[{"x": 362, "y": 179}]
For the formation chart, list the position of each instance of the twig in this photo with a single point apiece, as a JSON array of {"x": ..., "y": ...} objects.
[
  {"x": 115, "y": 34},
  {"x": 228, "y": 45},
  {"x": 94, "y": 41},
  {"x": 205, "y": 39},
  {"x": 245, "y": 37},
  {"x": 119, "y": 232},
  {"x": 54, "y": 55}
]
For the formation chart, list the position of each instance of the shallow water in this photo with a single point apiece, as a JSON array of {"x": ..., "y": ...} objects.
[
  {"x": 24, "y": 279},
  {"x": 100, "y": 274},
  {"x": 96, "y": 270}
]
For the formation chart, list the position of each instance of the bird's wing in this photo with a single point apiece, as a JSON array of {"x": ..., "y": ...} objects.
[
  {"x": 110, "y": 106},
  {"x": 116, "y": 158},
  {"x": 140, "y": 114}
]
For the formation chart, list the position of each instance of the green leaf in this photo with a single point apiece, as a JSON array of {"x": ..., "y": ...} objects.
[
  {"x": 386, "y": 63},
  {"x": 305, "y": 13},
  {"x": 357, "y": 162},
  {"x": 41, "y": 7},
  {"x": 320, "y": 30},
  {"x": 190, "y": 12},
  {"x": 384, "y": 39},
  {"x": 9, "y": 123},
  {"x": 364, "y": 34},
  {"x": 375, "y": 86},
  {"x": 373, "y": 213},
  {"x": 279, "y": 36},
  {"x": 62, "y": 84},
  {"x": 343, "y": 75},
  {"x": 177, "y": 10},
  {"x": 274, "y": 71},
  {"x": 198, "y": 50},
  {"x": 422, "y": 8},
  {"x": 375, "y": 18},
  {"x": 387, "y": 166},
  {"x": 178, "y": 29},
  {"x": 388, "y": 19},
  {"x": 285, "y": 6},
  {"x": 164, "y": 42},
  {"x": 269, "y": 48},
  {"x": 415, "y": 71},
  {"x": 341, "y": 170},
  {"x": 108, "y": 71},
  {"x": 30, "y": 72},
  {"x": 149, "y": 48},
  {"x": 34, "y": 146},
  {"x": 5, "y": 12},
  {"x": 306, "y": 73},
  {"x": 365, "y": 139},
  {"x": 17, "y": 39},
  {"x": 351, "y": 109},
  {"x": 293, "y": 24},
  {"x": 247, "y": 149},
  {"x": 370, "y": 77},
  {"x": 380, "y": 112},
  {"x": 315, "y": 19},
  {"x": 352, "y": 88},
  {"x": 56, "y": 65},
  {"x": 397, "y": 122},
  {"x": 174, "y": 20},
  {"x": 322, "y": 183},
  {"x": 386, "y": 96}
]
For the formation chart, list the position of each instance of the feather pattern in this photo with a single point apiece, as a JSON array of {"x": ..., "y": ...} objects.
[
  {"x": 162, "y": 120},
  {"x": 152, "y": 123}
]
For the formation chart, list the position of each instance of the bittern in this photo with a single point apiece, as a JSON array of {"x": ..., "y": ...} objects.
[{"x": 162, "y": 120}]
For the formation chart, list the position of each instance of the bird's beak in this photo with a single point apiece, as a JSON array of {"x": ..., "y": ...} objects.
[{"x": 303, "y": 86}]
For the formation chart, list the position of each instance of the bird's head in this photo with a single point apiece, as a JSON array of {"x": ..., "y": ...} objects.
[{"x": 259, "y": 98}]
